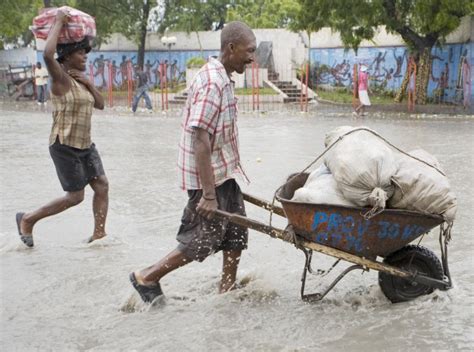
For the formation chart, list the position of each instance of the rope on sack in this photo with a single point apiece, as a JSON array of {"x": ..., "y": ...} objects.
[
  {"x": 376, "y": 207},
  {"x": 378, "y": 199}
]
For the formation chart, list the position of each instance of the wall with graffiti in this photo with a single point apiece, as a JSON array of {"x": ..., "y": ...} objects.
[
  {"x": 387, "y": 66},
  {"x": 98, "y": 65}
]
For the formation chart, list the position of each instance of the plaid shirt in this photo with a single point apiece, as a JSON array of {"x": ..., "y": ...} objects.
[
  {"x": 72, "y": 117},
  {"x": 211, "y": 106}
]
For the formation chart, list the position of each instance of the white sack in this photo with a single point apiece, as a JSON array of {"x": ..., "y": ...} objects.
[
  {"x": 321, "y": 188},
  {"x": 422, "y": 188},
  {"x": 362, "y": 165}
]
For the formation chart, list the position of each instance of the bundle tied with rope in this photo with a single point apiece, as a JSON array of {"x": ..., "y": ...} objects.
[
  {"x": 372, "y": 172},
  {"x": 79, "y": 26},
  {"x": 363, "y": 165}
]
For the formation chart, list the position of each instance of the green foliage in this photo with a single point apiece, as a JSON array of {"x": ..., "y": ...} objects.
[
  {"x": 250, "y": 91},
  {"x": 194, "y": 15},
  {"x": 263, "y": 13},
  {"x": 15, "y": 18},
  {"x": 421, "y": 23},
  {"x": 117, "y": 16},
  {"x": 196, "y": 61}
]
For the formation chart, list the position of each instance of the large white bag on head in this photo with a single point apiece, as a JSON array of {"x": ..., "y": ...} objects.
[
  {"x": 423, "y": 188},
  {"x": 321, "y": 188},
  {"x": 362, "y": 165}
]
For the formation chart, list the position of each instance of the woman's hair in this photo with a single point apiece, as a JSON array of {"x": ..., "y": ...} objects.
[{"x": 66, "y": 49}]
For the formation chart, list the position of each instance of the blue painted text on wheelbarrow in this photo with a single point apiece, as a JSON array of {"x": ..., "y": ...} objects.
[{"x": 336, "y": 230}]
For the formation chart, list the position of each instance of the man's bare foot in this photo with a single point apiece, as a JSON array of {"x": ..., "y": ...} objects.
[{"x": 96, "y": 237}]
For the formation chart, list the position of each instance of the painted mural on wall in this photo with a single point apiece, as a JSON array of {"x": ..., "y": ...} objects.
[
  {"x": 449, "y": 80},
  {"x": 98, "y": 65}
]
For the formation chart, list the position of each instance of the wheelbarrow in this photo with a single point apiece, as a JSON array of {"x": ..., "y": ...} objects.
[{"x": 407, "y": 271}]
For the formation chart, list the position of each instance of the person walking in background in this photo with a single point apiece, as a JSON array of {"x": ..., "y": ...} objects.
[
  {"x": 141, "y": 81},
  {"x": 208, "y": 162},
  {"x": 363, "y": 88},
  {"x": 75, "y": 157},
  {"x": 41, "y": 82}
]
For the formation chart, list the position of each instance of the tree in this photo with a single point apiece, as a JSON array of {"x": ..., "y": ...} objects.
[
  {"x": 128, "y": 17},
  {"x": 263, "y": 13},
  {"x": 15, "y": 18},
  {"x": 422, "y": 24},
  {"x": 194, "y": 16}
]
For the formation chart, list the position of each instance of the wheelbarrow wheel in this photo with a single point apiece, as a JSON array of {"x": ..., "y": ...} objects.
[{"x": 414, "y": 259}]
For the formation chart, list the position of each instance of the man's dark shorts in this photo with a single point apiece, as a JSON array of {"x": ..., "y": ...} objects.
[
  {"x": 75, "y": 167},
  {"x": 199, "y": 237}
]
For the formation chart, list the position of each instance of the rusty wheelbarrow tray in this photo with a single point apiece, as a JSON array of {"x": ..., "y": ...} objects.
[{"x": 406, "y": 272}]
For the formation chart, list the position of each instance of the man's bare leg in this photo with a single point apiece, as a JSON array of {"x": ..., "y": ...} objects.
[
  {"x": 56, "y": 206},
  {"x": 100, "y": 206},
  {"x": 230, "y": 264},
  {"x": 154, "y": 273}
]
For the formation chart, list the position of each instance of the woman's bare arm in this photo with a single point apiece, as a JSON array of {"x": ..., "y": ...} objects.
[{"x": 60, "y": 82}]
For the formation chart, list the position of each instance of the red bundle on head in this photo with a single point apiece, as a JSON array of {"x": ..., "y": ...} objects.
[{"x": 79, "y": 25}]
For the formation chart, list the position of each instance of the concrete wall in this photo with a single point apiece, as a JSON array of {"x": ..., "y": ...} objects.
[
  {"x": 387, "y": 65},
  {"x": 240, "y": 81},
  {"x": 18, "y": 57},
  {"x": 289, "y": 51}
]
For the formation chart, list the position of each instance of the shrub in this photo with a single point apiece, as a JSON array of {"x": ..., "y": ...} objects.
[{"x": 196, "y": 61}]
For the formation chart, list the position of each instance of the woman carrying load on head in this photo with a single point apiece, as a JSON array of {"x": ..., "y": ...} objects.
[
  {"x": 363, "y": 88},
  {"x": 75, "y": 157}
]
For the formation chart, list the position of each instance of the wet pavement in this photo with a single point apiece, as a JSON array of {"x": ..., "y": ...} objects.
[{"x": 67, "y": 295}]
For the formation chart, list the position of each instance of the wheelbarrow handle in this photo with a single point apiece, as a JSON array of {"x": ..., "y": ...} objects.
[
  {"x": 264, "y": 204},
  {"x": 252, "y": 224}
]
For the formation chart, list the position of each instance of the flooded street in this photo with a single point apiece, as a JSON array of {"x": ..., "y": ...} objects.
[{"x": 66, "y": 295}]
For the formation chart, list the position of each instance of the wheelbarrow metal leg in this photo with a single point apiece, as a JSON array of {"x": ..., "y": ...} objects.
[
  {"x": 315, "y": 297},
  {"x": 444, "y": 260}
]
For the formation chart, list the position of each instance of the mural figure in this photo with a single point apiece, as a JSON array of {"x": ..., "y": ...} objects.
[
  {"x": 377, "y": 61},
  {"x": 99, "y": 64},
  {"x": 341, "y": 72},
  {"x": 148, "y": 69},
  {"x": 462, "y": 58},
  {"x": 114, "y": 69},
  {"x": 123, "y": 67},
  {"x": 156, "y": 72},
  {"x": 387, "y": 77},
  {"x": 173, "y": 73},
  {"x": 399, "y": 60},
  {"x": 165, "y": 68},
  {"x": 451, "y": 55},
  {"x": 442, "y": 84},
  {"x": 466, "y": 75}
]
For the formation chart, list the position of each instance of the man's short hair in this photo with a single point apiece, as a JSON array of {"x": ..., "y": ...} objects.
[{"x": 235, "y": 32}]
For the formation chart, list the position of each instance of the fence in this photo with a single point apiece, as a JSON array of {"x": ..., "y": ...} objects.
[{"x": 256, "y": 90}]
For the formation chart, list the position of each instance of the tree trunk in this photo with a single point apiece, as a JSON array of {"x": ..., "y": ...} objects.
[
  {"x": 142, "y": 34},
  {"x": 423, "y": 72},
  {"x": 403, "y": 88},
  {"x": 200, "y": 45}
]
